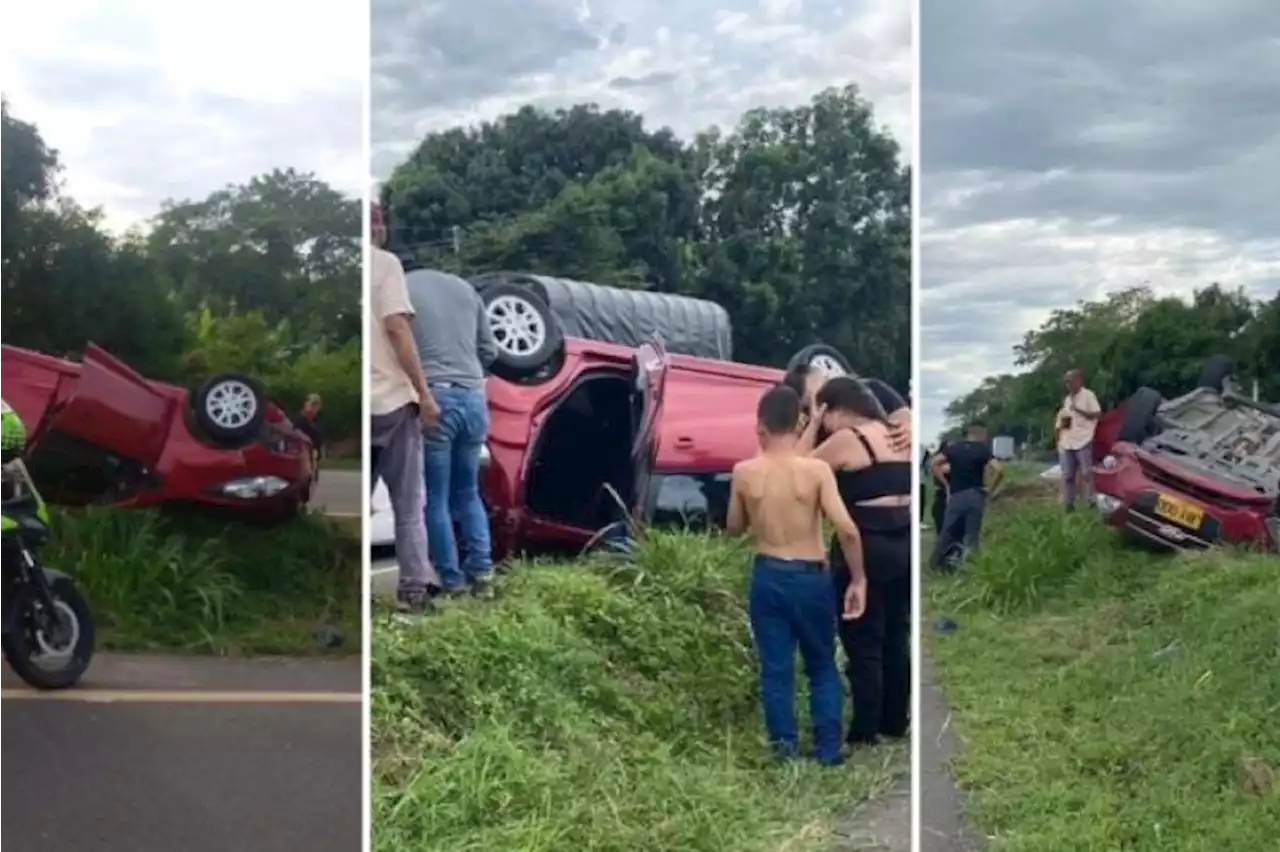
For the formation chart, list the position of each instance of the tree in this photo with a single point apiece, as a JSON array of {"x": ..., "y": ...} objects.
[
  {"x": 806, "y": 233},
  {"x": 1123, "y": 342},
  {"x": 798, "y": 222},
  {"x": 285, "y": 244}
]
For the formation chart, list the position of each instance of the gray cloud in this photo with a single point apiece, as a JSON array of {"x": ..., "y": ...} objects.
[
  {"x": 1069, "y": 150},
  {"x": 147, "y": 101},
  {"x": 684, "y": 65}
]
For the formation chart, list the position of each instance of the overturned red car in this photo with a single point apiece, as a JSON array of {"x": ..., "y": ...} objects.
[
  {"x": 100, "y": 432},
  {"x": 576, "y": 420},
  {"x": 1192, "y": 472}
]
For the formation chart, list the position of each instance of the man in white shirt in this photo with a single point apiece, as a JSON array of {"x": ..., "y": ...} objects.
[
  {"x": 401, "y": 408},
  {"x": 1074, "y": 426}
]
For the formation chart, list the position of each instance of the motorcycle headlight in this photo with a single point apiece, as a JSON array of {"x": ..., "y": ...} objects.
[
  {"x": 1109, "y": 463},
  {"x": 254, "y": 487}
]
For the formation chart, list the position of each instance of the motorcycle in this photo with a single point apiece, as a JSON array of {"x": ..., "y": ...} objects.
[{"x": 48, "y": 637}]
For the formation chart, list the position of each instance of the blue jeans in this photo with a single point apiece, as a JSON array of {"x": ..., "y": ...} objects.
[
  {"x": 452, "y": 465},
  {"x": 793, "y": 604}
]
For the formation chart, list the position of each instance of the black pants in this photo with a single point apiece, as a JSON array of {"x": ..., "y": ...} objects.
[
  {"x": 939, "y": 507},
  {"x": 878, "y": 645}
]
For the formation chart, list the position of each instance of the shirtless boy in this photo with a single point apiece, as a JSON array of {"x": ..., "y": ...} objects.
[{"x": 779, "y": 498}]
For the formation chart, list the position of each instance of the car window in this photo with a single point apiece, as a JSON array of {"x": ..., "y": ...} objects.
[{"x": 695, "y": 501}]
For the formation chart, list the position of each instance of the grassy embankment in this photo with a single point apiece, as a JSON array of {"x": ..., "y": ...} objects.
[
  {"x": 158, "y": 582},
  {"x": 595, "y": 707},
  {"x": 1106, "y": 698}
]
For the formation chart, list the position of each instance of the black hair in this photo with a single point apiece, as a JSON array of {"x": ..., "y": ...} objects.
[
  {"x": 845, "y": 393},
  {"x": 779, "y": 410},
  {"x": 976, "y": 424},
  {"x": 797, "y": 377}
]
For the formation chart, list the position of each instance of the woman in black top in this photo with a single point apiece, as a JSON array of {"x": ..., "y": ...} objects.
[{"x": 875, "y": 480}]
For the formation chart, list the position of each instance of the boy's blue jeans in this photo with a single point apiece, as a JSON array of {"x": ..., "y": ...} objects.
[
  {"x": 793, "y": 605},
  {"x": 452, "y": 463}
]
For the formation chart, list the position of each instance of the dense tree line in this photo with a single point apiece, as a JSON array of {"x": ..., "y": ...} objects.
[
  {"x": 798, "y": 221},
  {"x": 1128, "y": 340},
  {"x": 262, "y": 277}
]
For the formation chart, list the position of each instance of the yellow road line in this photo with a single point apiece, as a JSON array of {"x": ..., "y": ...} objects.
[{"x": 155, "y": 696}]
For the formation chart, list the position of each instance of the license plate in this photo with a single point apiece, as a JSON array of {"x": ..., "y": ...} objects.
[{"x": 1179, "y": 512}]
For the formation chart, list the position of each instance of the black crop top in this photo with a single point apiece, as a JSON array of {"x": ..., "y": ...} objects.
[{"x": 878, "y": 479}]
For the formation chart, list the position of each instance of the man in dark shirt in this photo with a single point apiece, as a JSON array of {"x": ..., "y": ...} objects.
[{"x": 962, "y": 466}]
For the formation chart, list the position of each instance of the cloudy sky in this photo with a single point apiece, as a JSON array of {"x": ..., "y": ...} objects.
[
  {"x": 147, "y": 100},
  {"x": 685, "y": 64},
  {"x": 1069, "y": 149}
]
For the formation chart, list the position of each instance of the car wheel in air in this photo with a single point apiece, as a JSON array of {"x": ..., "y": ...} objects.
[
  {"x": 1216, "y": 372},
  {"x": 1141, "y": 420},
  {"x": 827, "y": 360},
  {"x": 230, "y": 409},
  {"x": 523, "y": 328}
]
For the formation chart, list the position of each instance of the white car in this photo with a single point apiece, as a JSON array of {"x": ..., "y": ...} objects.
[{"x": 382, "y": 530}]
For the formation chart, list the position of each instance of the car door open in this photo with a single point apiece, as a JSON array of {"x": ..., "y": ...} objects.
[
  {"x": 104, "y": 428},
  {"x": 649, "y": 368}
]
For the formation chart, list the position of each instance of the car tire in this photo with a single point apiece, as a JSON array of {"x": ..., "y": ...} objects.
[
  {"x": 1216, "y": 372},
  {"x": 526, "y": 333},
  {"x": 820, "y": 356},
  {"x": 1141, "y": 419},
  {"x": 230, "y": 408}
]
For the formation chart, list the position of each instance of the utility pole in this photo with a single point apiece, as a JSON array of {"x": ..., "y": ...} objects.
[{"x": 457, "y": 241}]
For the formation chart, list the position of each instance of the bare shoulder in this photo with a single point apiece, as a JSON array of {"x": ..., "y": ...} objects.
[
  {"x": 818, "y": 469},
  {"x": 744, "y": 468}
]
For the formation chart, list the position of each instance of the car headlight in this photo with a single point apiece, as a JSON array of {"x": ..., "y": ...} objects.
[
  {"x": 253, "y": 487},
  {"x": 1107, "y": 504}
]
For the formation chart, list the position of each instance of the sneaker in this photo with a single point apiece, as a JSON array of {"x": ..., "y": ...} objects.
[
  {"x": 482, "y": 589},
  {"x": 455, "y": 593},
  {"x": 414, "y": 603}
]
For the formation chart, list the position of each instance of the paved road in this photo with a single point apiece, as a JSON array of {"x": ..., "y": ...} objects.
[
  {"x": 198, "y": 755},
  {"x": 339, "y": 493},
  {"x": 942, "y": 827}
]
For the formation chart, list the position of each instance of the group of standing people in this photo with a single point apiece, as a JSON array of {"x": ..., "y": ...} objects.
[
  {"x": 430, "y": 348},
  {"x": 959, "y": 470},
  {"x": 837, "y": 448}
]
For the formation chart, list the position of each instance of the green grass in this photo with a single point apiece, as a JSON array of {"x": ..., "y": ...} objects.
[
  {"x": 157, "y": 582},
  {"x": 1110, "y": 699},
  {"x": 595, "y": 708}
]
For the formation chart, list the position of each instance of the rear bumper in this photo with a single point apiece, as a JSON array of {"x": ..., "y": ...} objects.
[
  {"x": 1140, "y": 521},
  {"x": 1128, "y": 503}
]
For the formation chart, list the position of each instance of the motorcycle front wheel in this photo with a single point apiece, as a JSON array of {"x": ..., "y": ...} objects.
[{"x": 56, "y": 654}]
